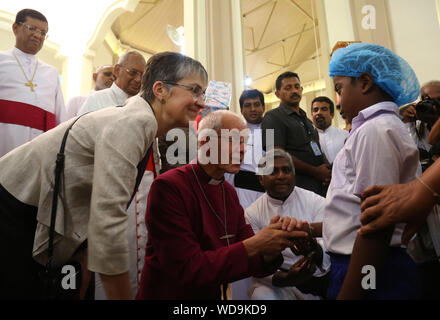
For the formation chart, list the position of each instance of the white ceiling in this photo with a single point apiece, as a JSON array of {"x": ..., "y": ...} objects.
[{"x": 278, "y": 35}]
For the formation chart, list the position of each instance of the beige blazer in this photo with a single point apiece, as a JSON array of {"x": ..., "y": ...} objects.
[{"x": 102, "y": 153}]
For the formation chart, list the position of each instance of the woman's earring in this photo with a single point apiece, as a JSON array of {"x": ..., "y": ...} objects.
[{"x": 162, "y": 101}]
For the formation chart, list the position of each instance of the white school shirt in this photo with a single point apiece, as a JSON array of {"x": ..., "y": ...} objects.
[
  {"x": 47, "y": 94},
  {"x": 378, "y": 151},
  {"x": 332, "y": 140},
  {"x": 110, "y": 97},
  {"x": 254, "y": 152}
]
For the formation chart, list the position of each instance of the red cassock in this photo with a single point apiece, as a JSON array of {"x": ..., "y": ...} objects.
[{"x": 185, "y": 257}]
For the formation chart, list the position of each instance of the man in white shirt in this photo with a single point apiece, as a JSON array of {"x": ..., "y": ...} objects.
[
  {"x": 331, "y": 138},
  {"x": 128, "y": 72},
  {"x": 103, "y": 78},
  {"x": 245, "y": 181},
  {"x": 284, "y": 199},
  {"x": 31, "y": 100}
]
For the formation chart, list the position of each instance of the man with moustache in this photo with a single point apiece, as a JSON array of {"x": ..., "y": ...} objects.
[
  {"x": 294, "y": 133},
  {"x": 31, "y": 100},
  {"x": 331, "y": 138},
  {"x": 103, "y": 78}
]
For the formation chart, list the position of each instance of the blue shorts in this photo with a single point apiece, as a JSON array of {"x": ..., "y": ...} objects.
[{"x": 397, "y": 280}]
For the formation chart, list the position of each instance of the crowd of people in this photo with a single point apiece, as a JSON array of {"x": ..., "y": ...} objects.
[{"x": 273, "y": 207}]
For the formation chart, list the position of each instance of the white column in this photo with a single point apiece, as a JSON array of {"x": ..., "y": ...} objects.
[{"x": 213, "y": 35}]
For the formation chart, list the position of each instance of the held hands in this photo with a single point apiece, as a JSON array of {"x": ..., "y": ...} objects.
[
  {"x": 299, "y": 273},
  {"x": 273, "y": 239}
]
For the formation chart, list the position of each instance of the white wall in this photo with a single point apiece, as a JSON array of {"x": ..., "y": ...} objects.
[{"x": 415, "y": 33}]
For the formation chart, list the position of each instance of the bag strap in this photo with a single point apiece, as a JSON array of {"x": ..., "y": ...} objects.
[{"x": 58, "y": 170}]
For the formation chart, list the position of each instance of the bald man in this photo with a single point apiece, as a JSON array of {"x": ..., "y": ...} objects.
[
  {"x": 128, "y": 72},
  {"x": 103, "y": 78}
]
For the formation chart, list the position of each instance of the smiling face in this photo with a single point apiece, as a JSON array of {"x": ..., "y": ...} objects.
[
  {"x": 322, "y": 118},
  {"x": 30, "y": 41},
  {"x": 290, "y": 92},
  {"x": 180, "y": 105},
  {"x": 253, "y": 110},
  {"x": 281, "y": 182}
]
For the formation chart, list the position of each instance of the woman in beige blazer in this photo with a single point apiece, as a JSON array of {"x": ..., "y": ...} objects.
[{"x": 102, "y": 155}]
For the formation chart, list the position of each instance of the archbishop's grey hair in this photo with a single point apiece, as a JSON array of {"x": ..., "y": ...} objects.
[{"x": 214, "y": 120}]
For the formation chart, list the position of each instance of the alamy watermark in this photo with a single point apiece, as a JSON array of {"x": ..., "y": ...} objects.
[
  {"x": 369, "y": 19},
  {"x": 212, "y": 147},
  {"x": 369, "y": 280}
]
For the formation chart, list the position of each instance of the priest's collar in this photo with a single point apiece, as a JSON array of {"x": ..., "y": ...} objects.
[
  {"x": 253, "y": 126},
  {"x": 23, "y": 55},
  {"x": 278, "y": 202},
  {"x": 203, "y": 176}
]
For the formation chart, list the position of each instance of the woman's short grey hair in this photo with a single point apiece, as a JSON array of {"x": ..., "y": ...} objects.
[
  {"x": 266, "y": 163},
  {"x": 171, "y": 67}
]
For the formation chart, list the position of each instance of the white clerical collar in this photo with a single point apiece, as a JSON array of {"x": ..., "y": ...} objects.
[
  {"x": 253, "y": 125},
  {"x": 119, "y": 92},
  {"x": 278, "y": 202},
  {"x": 324, "y": 131},
  {"x": 23, "y": 55},
  {"x": 215, "y": 182},
  {"x": 207, "y": 178}
]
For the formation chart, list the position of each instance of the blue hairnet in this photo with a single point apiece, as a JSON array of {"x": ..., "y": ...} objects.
[{"x": 389, "y": 71}]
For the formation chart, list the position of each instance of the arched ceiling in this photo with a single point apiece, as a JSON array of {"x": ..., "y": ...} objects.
[
  {"x": 145, "y": 28},
  {"x": 278, "y": 35}
]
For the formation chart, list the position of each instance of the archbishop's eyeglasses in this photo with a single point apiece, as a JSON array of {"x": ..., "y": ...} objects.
[
  {"x": 197, "y": 91},
  {"x": 34, "y": 30}
]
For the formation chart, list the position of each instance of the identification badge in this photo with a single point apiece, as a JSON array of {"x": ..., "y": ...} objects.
[{"x": 315, "y": 148}]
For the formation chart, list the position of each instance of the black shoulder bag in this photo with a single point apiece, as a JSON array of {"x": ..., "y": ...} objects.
[{"x": 55, "y": 284}]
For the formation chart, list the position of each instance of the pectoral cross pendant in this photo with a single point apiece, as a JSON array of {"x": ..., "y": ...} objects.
[
  {"x": 30, "y": 85},
  {"x": 227, "y": 236}
]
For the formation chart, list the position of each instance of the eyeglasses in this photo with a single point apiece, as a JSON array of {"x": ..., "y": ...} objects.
[
  {"x": 134, "y": 73},
  {"x": 35, "y": 30},
  {"x": 197, "y": 91}
]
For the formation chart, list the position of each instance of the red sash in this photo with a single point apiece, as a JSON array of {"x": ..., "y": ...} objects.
[
  {"x": 26, "y": 115},
  {"x": 150, "y": 165}
]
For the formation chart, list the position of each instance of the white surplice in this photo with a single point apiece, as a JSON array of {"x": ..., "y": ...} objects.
[{"x": 47, "y": 94}]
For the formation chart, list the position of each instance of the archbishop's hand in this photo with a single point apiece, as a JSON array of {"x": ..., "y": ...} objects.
[
  {"x": 299, "y": 273},
  {"x": 271, "y": 240}
]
